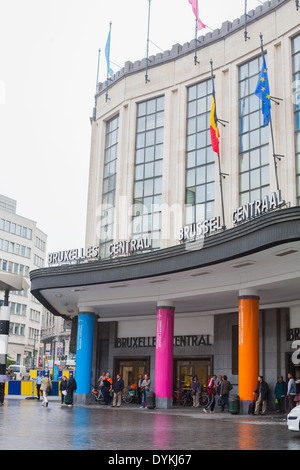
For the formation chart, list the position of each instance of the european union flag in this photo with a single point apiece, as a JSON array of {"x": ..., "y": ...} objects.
[{"x": 262, "y": 91}]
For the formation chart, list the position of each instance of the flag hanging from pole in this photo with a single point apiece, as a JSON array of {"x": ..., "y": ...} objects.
[
  {"x": 107, "y": 55},
  {"x": 214, "y": 131},
  {"x": 262, "y": 91},
  {"x": 194, "y": 4}
]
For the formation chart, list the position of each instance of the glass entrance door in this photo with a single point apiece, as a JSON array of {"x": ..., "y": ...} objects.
[
  {"x": 185, "y": 370},
  {"x": 131, "y": 370}
]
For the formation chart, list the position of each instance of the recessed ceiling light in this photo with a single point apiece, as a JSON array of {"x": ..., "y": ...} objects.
[
  {"x": 202, "y": 273},
  {"x": 243, "y": 264},
  {"x": 119, "y": 286},
  {"x": 286, "y": 252},
  {"x": 158, "y": 281}
]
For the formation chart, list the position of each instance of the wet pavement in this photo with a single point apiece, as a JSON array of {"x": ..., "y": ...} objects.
[{"x": 27, "y": 425}]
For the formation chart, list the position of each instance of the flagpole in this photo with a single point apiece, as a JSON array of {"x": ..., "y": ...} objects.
[
  {"x": 221, "y": 175},
  {"x": 196, "y": 34},
  {"x": 97, "y": 82},
  {"x": 275, "y": 155},
  {"x": 107, "y": 73},
  {"x": 246, "y": 22},
  {"x": 148, "y": 40}
]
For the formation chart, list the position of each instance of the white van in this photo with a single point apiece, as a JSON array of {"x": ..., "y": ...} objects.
[{"x": 19, "y": 372}]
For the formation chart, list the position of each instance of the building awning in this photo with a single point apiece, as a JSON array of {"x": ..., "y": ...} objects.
[{"x": 263, "y": 252}]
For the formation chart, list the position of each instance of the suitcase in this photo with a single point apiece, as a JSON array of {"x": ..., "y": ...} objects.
[{"x": 251, "y": 408}]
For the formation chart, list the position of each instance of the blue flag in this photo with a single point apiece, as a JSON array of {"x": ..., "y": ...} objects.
[
  {"x": 262, "y": 91},
  {"x": 107, "y": 53}
]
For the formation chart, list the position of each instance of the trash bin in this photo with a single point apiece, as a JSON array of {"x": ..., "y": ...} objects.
[
  {"x": 234, "y": 405},
  {"x": 150, "y": 400}
]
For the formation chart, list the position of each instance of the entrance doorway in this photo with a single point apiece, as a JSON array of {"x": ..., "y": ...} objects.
[
  {"x": 186, "y": 369},
  {"x": 130, "y": 369}
]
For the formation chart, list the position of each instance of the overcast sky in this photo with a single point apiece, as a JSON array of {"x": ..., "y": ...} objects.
[{"x": 48, "y": 69}]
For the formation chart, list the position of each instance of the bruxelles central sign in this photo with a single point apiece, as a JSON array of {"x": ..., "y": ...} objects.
[{"x": 150, "y": 341}]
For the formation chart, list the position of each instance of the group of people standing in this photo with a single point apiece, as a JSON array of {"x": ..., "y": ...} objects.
[
  {"x": 291, "y": 390},
  {"x": 282, "y": 391},
  {"x": 114, "y": 389},
  {"x": 214, "y": 388},
  {"x": 67, "y": 388}
]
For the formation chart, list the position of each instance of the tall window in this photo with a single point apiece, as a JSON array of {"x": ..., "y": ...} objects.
[
  {"x": 109, "y": 185},
  {"x": 296, "y": 86},
  {"x": 254, "y": 138},
  {"x": 200, "y": 158},
  {"x": 148, "y": 170}
]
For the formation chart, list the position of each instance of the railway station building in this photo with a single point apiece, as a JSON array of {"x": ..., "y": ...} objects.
[{"x": 192, "y": 258}]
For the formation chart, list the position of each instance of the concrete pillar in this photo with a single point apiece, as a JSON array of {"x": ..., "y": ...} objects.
[
  {"x": 248, "y": 365},
  {"x": 164, "y": 355},
  {"x": 84, "y": 351}
]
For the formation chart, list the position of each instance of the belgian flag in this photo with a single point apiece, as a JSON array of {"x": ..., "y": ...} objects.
[{"x": 214, "y": 131}]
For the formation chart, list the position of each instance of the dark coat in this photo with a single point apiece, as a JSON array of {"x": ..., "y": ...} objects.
[
  {"x": 262, "y": 388},
  {"x": 118, "y": 385}
]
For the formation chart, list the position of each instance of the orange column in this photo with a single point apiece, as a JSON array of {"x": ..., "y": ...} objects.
[{"x": 248, "y": 367}]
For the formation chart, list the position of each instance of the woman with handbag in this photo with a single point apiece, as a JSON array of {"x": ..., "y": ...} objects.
[
  {"x": 46, "y": 388},
  {"x": 63, "y": 388}
]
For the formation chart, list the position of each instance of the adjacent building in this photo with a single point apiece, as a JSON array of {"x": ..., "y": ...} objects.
[
  {"x": 22, "y": 248},
  {"x": 192, "y": 259}
]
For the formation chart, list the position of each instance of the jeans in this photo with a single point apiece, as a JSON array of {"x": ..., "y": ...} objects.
[
  {"x": 225, "y": 398},
  {"x": 144, "y": 399}
]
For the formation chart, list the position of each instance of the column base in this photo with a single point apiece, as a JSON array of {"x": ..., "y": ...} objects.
[
  {"x": 83, "y": 399},
  {"x": 164, "y": 403},
  {"x": 244, "y": 406}
]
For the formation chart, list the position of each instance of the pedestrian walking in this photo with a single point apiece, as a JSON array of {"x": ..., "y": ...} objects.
[
  {"x": 117, "y": 390},
  {"x": 196, "y": 388},
  {"x": 63, "y": 388},
  {"x": 280, "y": 392},
  {"x": 211, "y": 391},
  {"x": 71, "y": 387},
  {"x": 262, "y": 390},
  {"x": 38, "y": 384},
  {"x": 145, "y": 389},
  {"x": 224, "y": 392},
  {"x": 46, "y": 388}
]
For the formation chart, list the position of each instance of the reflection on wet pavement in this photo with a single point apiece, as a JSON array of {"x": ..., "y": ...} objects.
[{"x": 25, "y": 424}]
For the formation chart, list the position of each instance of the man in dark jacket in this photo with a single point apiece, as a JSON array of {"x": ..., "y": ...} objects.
[
  {"x": 262, "y": 391},
  {"x": 71, "y": 387},
  {"x": 117, "y": 389}
]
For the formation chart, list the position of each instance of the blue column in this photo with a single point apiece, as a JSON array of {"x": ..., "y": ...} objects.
[{"x": 84, "y": 351}]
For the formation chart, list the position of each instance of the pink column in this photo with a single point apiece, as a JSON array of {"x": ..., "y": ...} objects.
[{"x": 164, "y": 356}]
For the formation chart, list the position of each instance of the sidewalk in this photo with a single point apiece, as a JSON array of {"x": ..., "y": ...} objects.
[
  {"x": 186, "y": 411},
  {"x": 27, "y": 425}
]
